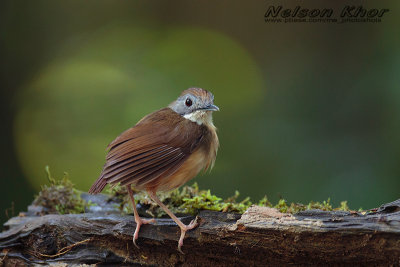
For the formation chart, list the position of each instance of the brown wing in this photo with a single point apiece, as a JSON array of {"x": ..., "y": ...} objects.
[{"x": 156, "y": 146}]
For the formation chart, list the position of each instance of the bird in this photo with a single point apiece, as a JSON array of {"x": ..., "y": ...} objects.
[{"x": 163, "y": 151}]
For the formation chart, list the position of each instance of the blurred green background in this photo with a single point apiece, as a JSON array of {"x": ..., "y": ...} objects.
[{"x": 308, "y": 110}]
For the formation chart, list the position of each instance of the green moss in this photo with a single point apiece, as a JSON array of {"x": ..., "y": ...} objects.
[
  {"x": 190, "y": 199},
  {"x": 265, "y": 202},
  {"x": 185, "y": 200},
  {"x": 60, "y": 196},
  {"x": 204, "y": 200},
  {"x": 284, "y": 207}
]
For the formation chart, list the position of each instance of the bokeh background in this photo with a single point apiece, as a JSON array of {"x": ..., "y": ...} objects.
[{"x": 308, "y": 110}]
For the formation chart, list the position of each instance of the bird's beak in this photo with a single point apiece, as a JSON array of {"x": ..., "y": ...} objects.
[{"x": 211, "y": 107}]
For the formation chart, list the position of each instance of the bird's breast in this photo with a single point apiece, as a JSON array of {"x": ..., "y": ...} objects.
[{"x": 202, "y": 157}]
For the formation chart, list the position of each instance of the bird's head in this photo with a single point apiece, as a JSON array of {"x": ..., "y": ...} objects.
[{"x": 195, "y": 104}]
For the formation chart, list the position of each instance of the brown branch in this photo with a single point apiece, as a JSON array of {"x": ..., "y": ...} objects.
[{"x": 262, "y": 236}]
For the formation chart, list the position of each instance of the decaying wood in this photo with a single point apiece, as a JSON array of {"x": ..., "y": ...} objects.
[{"x": 262, "y": 236}]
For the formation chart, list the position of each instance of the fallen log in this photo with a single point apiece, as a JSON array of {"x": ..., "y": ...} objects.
[{"x": 261, "y": 236}]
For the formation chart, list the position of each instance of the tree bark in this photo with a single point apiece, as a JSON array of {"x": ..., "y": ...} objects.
[{"x": 262, "y": 236}]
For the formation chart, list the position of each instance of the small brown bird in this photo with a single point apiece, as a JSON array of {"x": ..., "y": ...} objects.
[{"x": 164, "y": 150}]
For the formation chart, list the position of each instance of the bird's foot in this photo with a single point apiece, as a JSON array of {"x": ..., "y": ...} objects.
[
  {"x": 190, "y": 226},
  {"x": 139, "y": 223}
]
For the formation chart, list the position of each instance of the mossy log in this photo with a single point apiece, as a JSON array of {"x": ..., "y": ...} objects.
[{"x": 262, "y": 236}]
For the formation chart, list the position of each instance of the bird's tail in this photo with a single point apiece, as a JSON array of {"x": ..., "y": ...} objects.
[{"x": 98, "y": 186}]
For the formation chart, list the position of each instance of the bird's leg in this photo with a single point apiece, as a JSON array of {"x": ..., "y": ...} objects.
[
  {"x": 181, "y": 225},
  {"x": 139, "y": 221}
]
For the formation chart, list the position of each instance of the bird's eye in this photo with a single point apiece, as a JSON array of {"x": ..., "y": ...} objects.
[{"x": 188, "y": 102}]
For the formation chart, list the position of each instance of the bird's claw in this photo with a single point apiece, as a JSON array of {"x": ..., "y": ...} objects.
[
  {"x": 139, "y": 223},
  {"x": 193, "y": 223},
  {"x": 190, "y": 226},
  {"x": 134, "y": 242}
]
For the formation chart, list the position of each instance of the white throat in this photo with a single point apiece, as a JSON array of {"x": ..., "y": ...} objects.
[{"x": 200, "y": 117}]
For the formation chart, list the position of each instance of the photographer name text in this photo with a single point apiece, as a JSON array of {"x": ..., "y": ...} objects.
[{"x": 346, "y": 14}]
